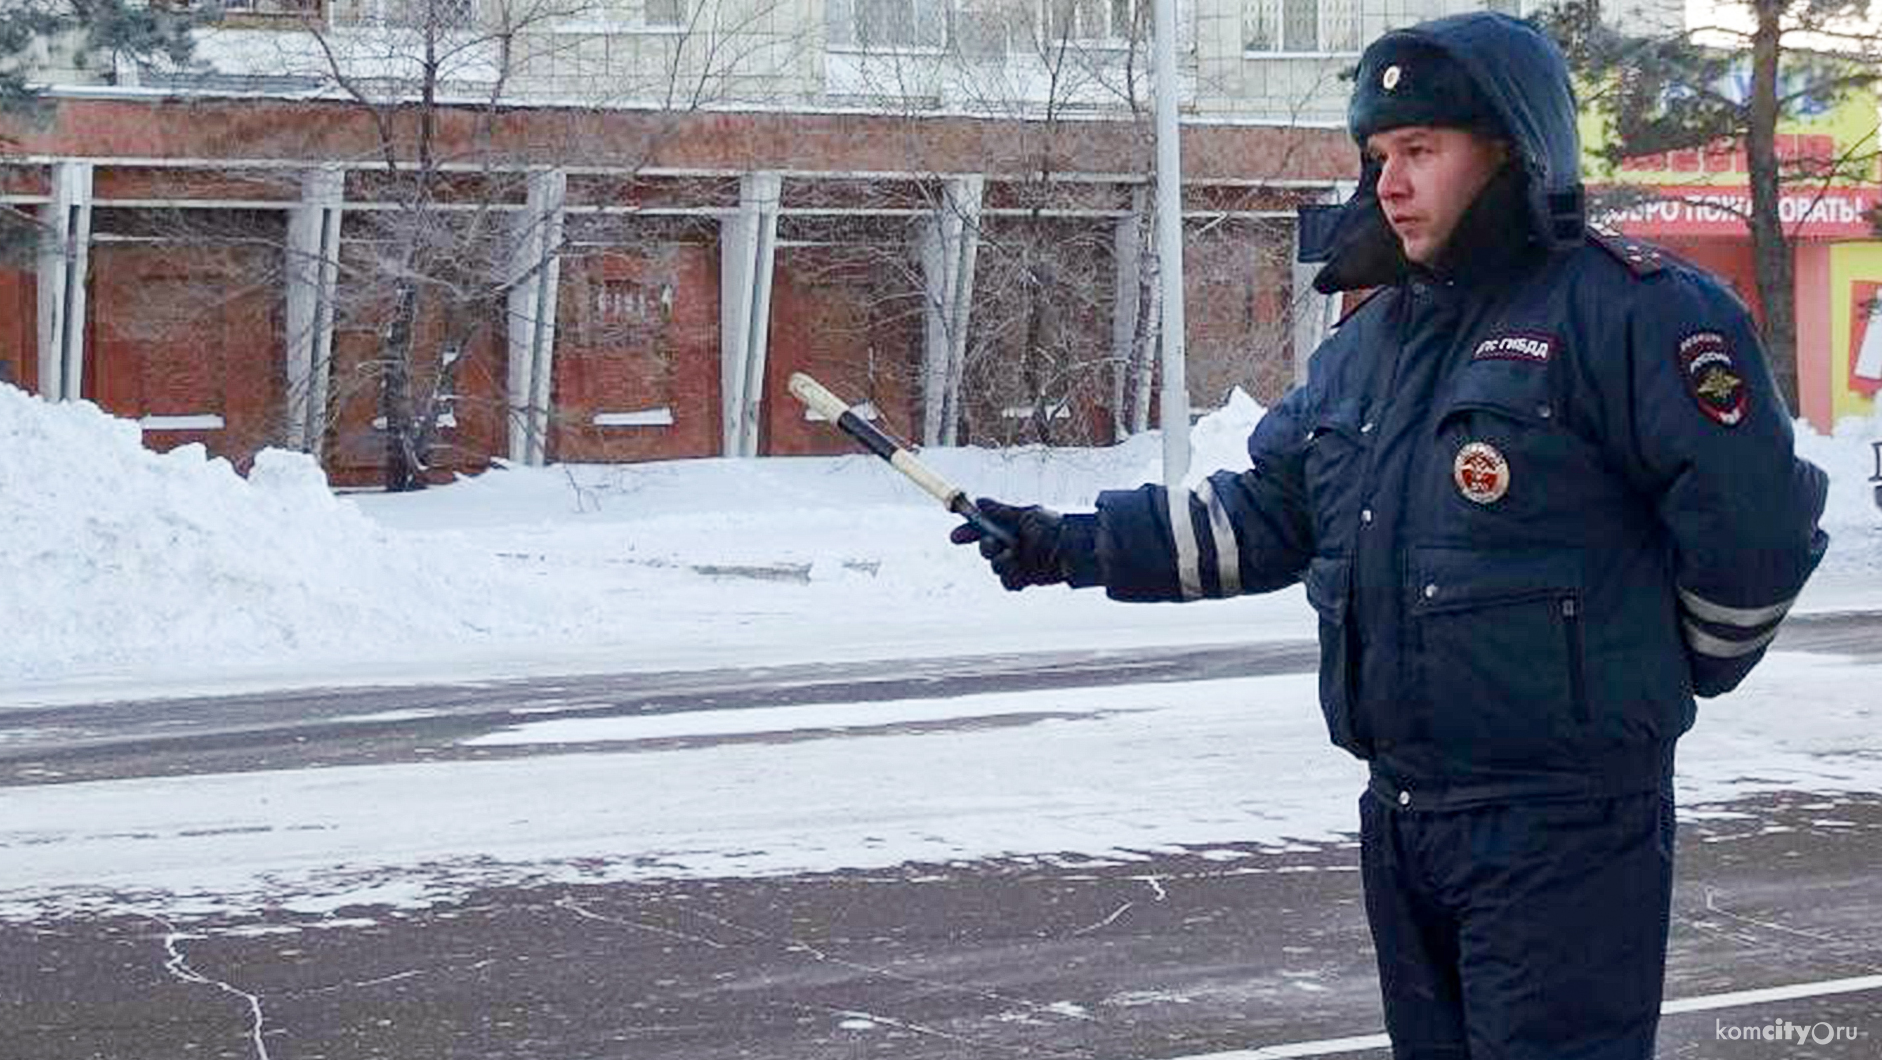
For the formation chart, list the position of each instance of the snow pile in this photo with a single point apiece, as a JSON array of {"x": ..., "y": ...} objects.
[
  {"x": 119, "y": 556},
  {"x": 1850, "y": 513},
  {"x": 1217, "y": 442},
  {"x": 818, "y": 535},
  {"x": 167, "y": 573}
]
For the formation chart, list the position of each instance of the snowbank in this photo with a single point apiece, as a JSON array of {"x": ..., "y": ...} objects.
[
  {"x": 161, "y": 572},
  {"x": 1217, "y": 442},
  {"x": 120, "y": 558},
  {"x": 1850, "y": 513}
]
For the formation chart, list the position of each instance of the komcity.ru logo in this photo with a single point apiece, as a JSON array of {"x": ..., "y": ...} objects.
[{"x": 1822, "y": 1032}]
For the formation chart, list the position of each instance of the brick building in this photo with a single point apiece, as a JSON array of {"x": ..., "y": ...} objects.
[{"x": 610, "y": 232}]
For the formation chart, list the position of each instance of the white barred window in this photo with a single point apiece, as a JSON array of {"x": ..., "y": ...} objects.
[
  {"x": 665, "y": 13},
  {"x": 1301, "y": 26},
  {"x": 886, "y": 25},
  {"x": 428, "y": 14},
  {"x": 291, "y": 8},
  {"x": 1088, "y": 20}
]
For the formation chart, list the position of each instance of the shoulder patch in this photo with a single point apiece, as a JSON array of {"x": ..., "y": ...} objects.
[
  {"x": 1641, "y": 259},
  {"x": 1713, "y": 377}
]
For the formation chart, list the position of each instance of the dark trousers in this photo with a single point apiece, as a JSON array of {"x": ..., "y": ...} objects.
[{"x": 1520, "y": 932}]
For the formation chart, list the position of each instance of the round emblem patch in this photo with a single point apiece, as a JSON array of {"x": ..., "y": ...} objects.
[
  {"x": 1481, "y": 473},
  {"x": 1713, "y": 377},
  {"x": 1389, "y": 79}
]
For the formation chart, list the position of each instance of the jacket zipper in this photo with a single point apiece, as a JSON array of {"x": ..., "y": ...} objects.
[
  {"x": 1577, "y": 690},
  {"x": 1482, "y": 603}
]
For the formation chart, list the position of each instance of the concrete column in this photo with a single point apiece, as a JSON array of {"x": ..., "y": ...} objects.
[
  {"x": 940, "y": 234},
  {"x": 950, "y": 250},
  {"x": 313, "y": 265},
  {"x": 747, "y": 253},
  {"x": 64, "y": 261},
  {"x": 535, "y": 279},
  {"x": 962, "y": 199}
]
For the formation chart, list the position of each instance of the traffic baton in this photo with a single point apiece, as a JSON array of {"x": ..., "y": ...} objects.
[{"x": 832, "y": 408}]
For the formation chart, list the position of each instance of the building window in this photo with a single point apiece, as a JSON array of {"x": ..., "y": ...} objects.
[
  {"x": 271, "y": 7},
  {"x": 1088, "y": 20},
  {"x": 428, "y": 14},
  {"x": 1301, "y": 26},
  {"x": 237, "y": 10},
  {"x": 619, "y": 16},
  {"x": 887, "y": 25},
  {"x": 666, "y": 14}
]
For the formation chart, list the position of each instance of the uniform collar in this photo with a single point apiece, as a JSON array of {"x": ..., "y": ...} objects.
[
  {"x": 1495, "y": 239},
  {"x": 1492, "y": 242}
]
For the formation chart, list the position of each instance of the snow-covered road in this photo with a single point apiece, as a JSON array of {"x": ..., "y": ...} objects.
[
  {"x": 133, "y": 575},
  {"x": 577, "y": 786}
]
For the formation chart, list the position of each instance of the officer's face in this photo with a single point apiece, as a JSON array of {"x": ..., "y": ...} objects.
[{"x": 1428, "y": 177}]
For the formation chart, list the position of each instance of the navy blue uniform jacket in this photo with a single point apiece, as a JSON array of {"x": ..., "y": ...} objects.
[{"x": 1539, "y": 501}]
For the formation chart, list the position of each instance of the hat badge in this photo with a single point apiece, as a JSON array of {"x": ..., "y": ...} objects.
[{"x": 1389, "y": 79}]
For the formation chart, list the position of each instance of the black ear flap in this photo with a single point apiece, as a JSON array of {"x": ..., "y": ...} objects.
[
  {"x": 1361, "y": 250},
  {"x": 1315, "y": 226}
]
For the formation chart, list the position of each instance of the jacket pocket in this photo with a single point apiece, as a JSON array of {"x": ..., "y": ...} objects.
[
  {"x": 1328, "y": 582},
  {"x": 1501, "y": 657},
  {"x": 1504, "y": 469},
  {"x": 1335, "y": 466},
  {"x": 1520, "y": 394}
]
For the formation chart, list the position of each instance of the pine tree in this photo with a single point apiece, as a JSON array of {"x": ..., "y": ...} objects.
[
  {"x": 87, "y": 29},
  {"x": 79, "y": 32}
]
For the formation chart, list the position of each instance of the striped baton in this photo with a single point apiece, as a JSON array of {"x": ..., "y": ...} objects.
[{"x": 832, "y": 408}]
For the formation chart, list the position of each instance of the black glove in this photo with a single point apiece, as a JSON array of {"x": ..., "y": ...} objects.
[{"x": 1036, "y": 556}]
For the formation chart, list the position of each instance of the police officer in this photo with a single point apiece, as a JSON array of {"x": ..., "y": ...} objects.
[{"x": 1541, "y": 491}]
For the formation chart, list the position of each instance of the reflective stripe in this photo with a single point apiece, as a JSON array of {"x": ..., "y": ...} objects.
[
  {"x": 1228, "y": 562},
  {"x": 1719, "y": 648},
  {"x": 1188, "y": 559},
  {"x": 1701, "y": 608}
]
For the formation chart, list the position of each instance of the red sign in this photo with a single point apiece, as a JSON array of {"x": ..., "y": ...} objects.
[{"x": 1693, "y": 210}]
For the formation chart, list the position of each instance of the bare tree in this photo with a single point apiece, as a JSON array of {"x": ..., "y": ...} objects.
[
  {"x": 1060, "y": 341},
  {"x": 448, "y": 213},
  {"x": 427, "y": 274}
]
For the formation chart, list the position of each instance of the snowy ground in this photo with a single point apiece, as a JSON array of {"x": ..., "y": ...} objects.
[
  {"x": 1104, "y": 773},
  {"x": 133, "y": 574}
]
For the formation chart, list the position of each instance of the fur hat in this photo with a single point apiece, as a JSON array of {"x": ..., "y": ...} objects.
[{"x": 1403, "y": 80}]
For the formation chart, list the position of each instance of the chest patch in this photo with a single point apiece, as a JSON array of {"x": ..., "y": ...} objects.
[
  {"x": 1713, "y": 377},
  {"x": 1481, "y": 473},
  {"x": 1533, "y": 347}
]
